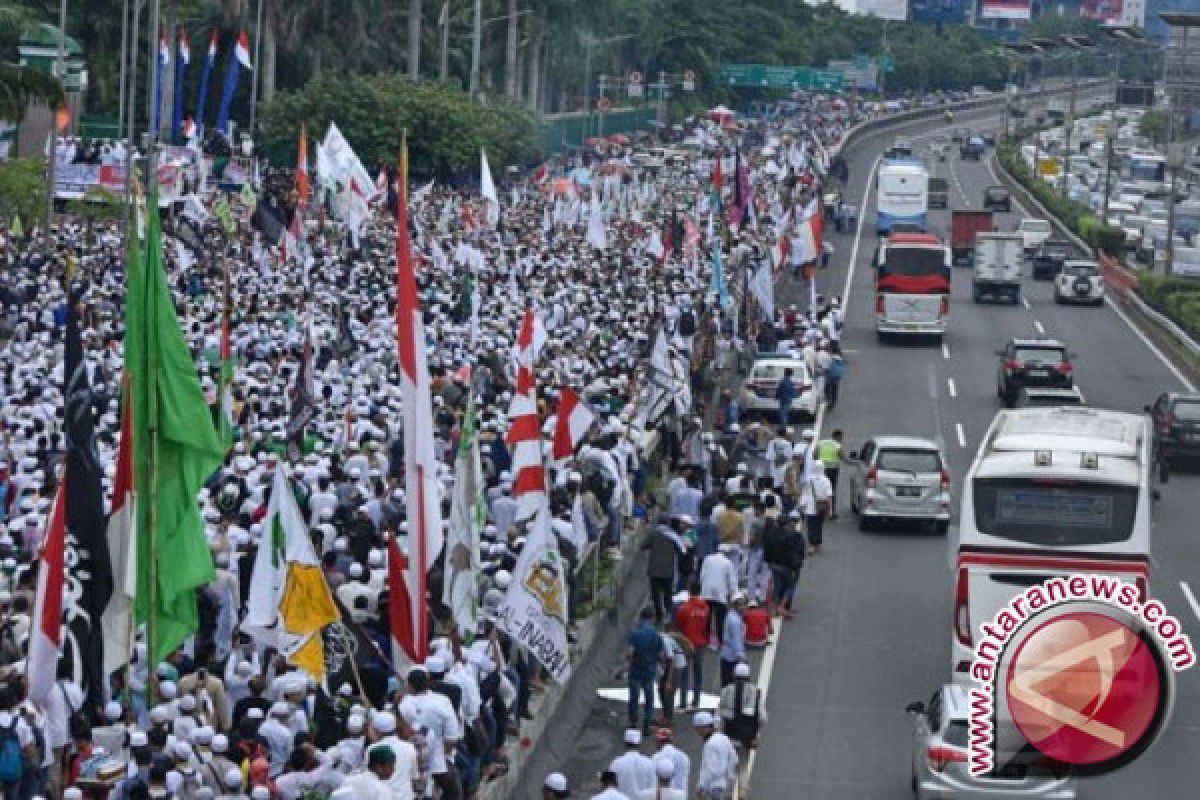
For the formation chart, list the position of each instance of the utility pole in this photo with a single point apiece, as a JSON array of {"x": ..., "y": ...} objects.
[
  {"x": 60, "y": 72},
  {"x": 152, "y": 135},
  {"x": 444, "y": 55},
  {"x": 124, "y": 68},
  {"x": 414, "y": 39},
  {"x": 476, "y": 46},
  {"x": 1070, "y": 125},
  {"x": 130, "y": 105}
]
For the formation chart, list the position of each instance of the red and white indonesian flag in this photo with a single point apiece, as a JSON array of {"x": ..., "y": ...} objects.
[
  {"x": 524, "y": 427},
  {"x": 122, "y": 553},
  {"x": 45, "y": 637},
  {"x": 425, "y": 536},
  {"x": 572, "y": 423},
  {"x": 242, "y": 50}
]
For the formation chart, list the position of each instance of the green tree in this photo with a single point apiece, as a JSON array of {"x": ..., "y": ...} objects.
[
  {"x": 19, "y": 85},
  {"x": 1153, "y": 125},
  {"x": 23, "y": 190}
]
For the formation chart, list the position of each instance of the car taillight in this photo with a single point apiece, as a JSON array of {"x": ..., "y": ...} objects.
[
  {"x": 872, "y": 474},
  {"x": 1012, "y": 364},
  {"x": 945, "y": 481},
  {"x": 962, "y": 609},
  {"x": 1168, "y": 422},
  {"x": 1065, "y": 367},
  {"x": 879, "y": 304},
  {"x": 939, "y": 755},
  {"x": 945, "y": 305}
]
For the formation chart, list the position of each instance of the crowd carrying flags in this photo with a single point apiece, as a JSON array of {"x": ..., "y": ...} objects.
[
  {"x": 116, "y": 620},
  {"x": 468, "y": 513},
  {"x": 176, "y": 449},
  {"x": 289, "y": 603},
  {"x": 181, "y": 63},
  {"x": 240, "y": 57},
  {"x": 85, "y": 500},
  {"x": 409, "y": 615},
  {"x": 209, "y": 60}
]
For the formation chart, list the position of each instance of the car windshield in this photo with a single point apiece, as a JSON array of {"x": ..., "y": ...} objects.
[
  {"x": 909, "y": 460},
  {"x": 913, "y": 261},
  {"x": 1035, "y": 226},
  {"x": 1044, "y": 400},
  {"x": 1187, "y": 410},
  {"x": 774, "y": 372},
  {"x": 1054, "y": 512},
  {"x": 997, "y": 193},
  {"x": 1042, "y": 355},
  {"x": 1079, "y": 269}
]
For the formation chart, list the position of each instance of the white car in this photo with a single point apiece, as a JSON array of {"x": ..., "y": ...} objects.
[
  {"x": 1034, "y": 232},
  {"x": 758, "y": 395},
  {"x": 941, "y": 755},
  {"x": 1079, "y": 282}
]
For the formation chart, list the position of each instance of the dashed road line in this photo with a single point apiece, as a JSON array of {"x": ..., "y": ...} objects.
[
  {"x": 1037, "y": 324},
  {"x": 1025, "y": 302},
  {"x": 962, "y": 434},
  {"x": 951, "y": 388},
  {"x": 945, "y": 351},
  {"x": 1191, "y": 598}
]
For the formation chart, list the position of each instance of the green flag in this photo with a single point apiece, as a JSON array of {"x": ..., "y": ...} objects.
[
  {"x": 225, "y": 216},
  {"x": 15, "y": 229},
  {"x": 176, "y": 449}
]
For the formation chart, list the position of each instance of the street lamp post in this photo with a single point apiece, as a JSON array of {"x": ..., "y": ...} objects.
[{"x": 60, "y": 72}]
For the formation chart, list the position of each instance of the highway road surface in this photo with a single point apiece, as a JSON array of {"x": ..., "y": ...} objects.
[{"x": 873, "y": 629}]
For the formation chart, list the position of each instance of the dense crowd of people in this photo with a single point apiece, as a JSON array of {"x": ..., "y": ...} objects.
[{"x": 728, "y": 508}]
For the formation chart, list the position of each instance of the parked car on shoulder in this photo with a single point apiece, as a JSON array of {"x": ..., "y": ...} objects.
[{"x": 759, "y": 390}]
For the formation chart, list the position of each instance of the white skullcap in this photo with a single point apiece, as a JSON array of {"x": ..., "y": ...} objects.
[
  {"x": 281, "y": 709},
  {"x": 233, "y": 778},
  {"x": 220, "y": 743},
  {"x": 384, "y": 722},
  {"x": 158, "y": 715},
  {"x": 174, "y": 781},
  {"x": 503, "y": 579},
  {"x": 741, "y": 671},
  {"x": 112, "y": 711},
  {"x": 702, "y": 719},
  {"x": 72, "y": 793},
  {"x": 664, "y": 768},
  {"x": 168, "y": 690},
  {"x": 187, "y": 702},
  {"x": 138, "y": 739},
  {"x": 354, "y": 724},
  {"x": 556, "y": 782},
  {"x": 260, "y": 793},
  {"x": 254, "y": 713},
  {"x": 633, "y": 736}
]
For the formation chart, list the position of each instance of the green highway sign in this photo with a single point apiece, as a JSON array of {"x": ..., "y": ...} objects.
[{"x": 772, "y": 77}]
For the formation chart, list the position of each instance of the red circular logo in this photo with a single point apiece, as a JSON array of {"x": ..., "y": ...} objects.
[{"x": 1086, "y": 689}]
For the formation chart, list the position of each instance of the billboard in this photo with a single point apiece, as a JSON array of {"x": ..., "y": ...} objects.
[
  {"x": 1007, "y": 9},
  {"x": 939, "y": 11},
  {"x": 1107, "y": 11},
  {"x": 884, "y": 9}
]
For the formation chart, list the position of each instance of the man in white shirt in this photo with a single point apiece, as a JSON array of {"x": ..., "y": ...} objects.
[
  {"x": 374, "y": 783},
  {"x": 683, "y": 764},
  {"x": 402, "y": 773},
  {"x": 436, "y": 716},
  {"x": 278, "y": 736},
  {"x": 634, "y": 770},
  {"x": 608, "y": 779},
  {"x": 718, "y": 582},
  {"x": 718, "y": 760}
]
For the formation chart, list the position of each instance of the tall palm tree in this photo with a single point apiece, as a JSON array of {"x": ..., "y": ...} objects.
[
  {"x": 19, "y": 85},
  {"x": 414, "y": 38}
]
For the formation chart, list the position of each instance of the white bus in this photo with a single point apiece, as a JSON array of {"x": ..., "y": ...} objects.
[
  {"x": 1148, "y": 172},
  {"x": 1052, "y": 491},
  {"x": 902, "y": 187}
]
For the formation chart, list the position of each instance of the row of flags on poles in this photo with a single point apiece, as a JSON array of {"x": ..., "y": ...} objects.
[{"x": 239, "y": 59}]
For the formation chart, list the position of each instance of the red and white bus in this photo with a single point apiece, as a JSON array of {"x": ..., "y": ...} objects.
[{"x": 912, "y": 286}]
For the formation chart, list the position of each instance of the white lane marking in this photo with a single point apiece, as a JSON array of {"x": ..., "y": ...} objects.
[
  {"x": 945, "y": 351},
  {"x": 1025, "y": 302},
  {"x": 862, "y": 218},
  {"x": 962, "y": 435},
  {"x": 1191, "y": 598},
  {"x": 1151, "y": 346},
  {"x": 1038, "y": 325},
  {"x": 951, "y": 388}
]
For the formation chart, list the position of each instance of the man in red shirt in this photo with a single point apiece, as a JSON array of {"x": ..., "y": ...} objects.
[
  {"x": 692, "y": 620},
  {"x": 758, "y": 625}
]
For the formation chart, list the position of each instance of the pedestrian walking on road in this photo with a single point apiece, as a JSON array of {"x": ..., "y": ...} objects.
[
  {"x": 645, "y": 656},
  {"x": 718, "y": 584},
  {"x": 692, "y": 619},
  {"x": 683, "y": 764},
  {"x": 555, "y": 787},
  {"x": 733, "y": 639},
  {"x": 664, "y": 770},
  {"x": 609, "y": 790},
  {"x": 815, "y": 504},
  {"x": 784, "y": 548},
  {"x": 741, "y": 708},
  {"x": 634, "y": 770},
  {"x": 785, "y": 393},
  {"x": 718, "y": 760},
  {"x": 829, "y": 451},
  {"x": 662, "y": 547}
]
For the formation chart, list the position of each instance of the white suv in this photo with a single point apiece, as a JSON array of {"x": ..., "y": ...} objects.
[{"x": 1079, "y": 282}]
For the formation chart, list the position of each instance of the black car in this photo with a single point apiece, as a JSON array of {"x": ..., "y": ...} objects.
[
  {"x": 1176, "y": 419},
  {"x": 1038, "y": 363},
  {"x": 996, "y": 198},
  {"x": 1049, "y": 259},
  {"x": 939, "y": 193},
  {"x": 989, "y": 138}
]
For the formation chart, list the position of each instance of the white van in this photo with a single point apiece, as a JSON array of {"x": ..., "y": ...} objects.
[{"x": 1052, "y": 491}]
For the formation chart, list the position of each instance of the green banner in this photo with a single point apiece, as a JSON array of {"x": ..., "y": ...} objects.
[{"x": 225, "y": 215}]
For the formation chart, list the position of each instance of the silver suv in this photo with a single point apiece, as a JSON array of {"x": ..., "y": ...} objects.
[
  {"x": 899, "y": 478},
  {"x": 940, "y": 758}
]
